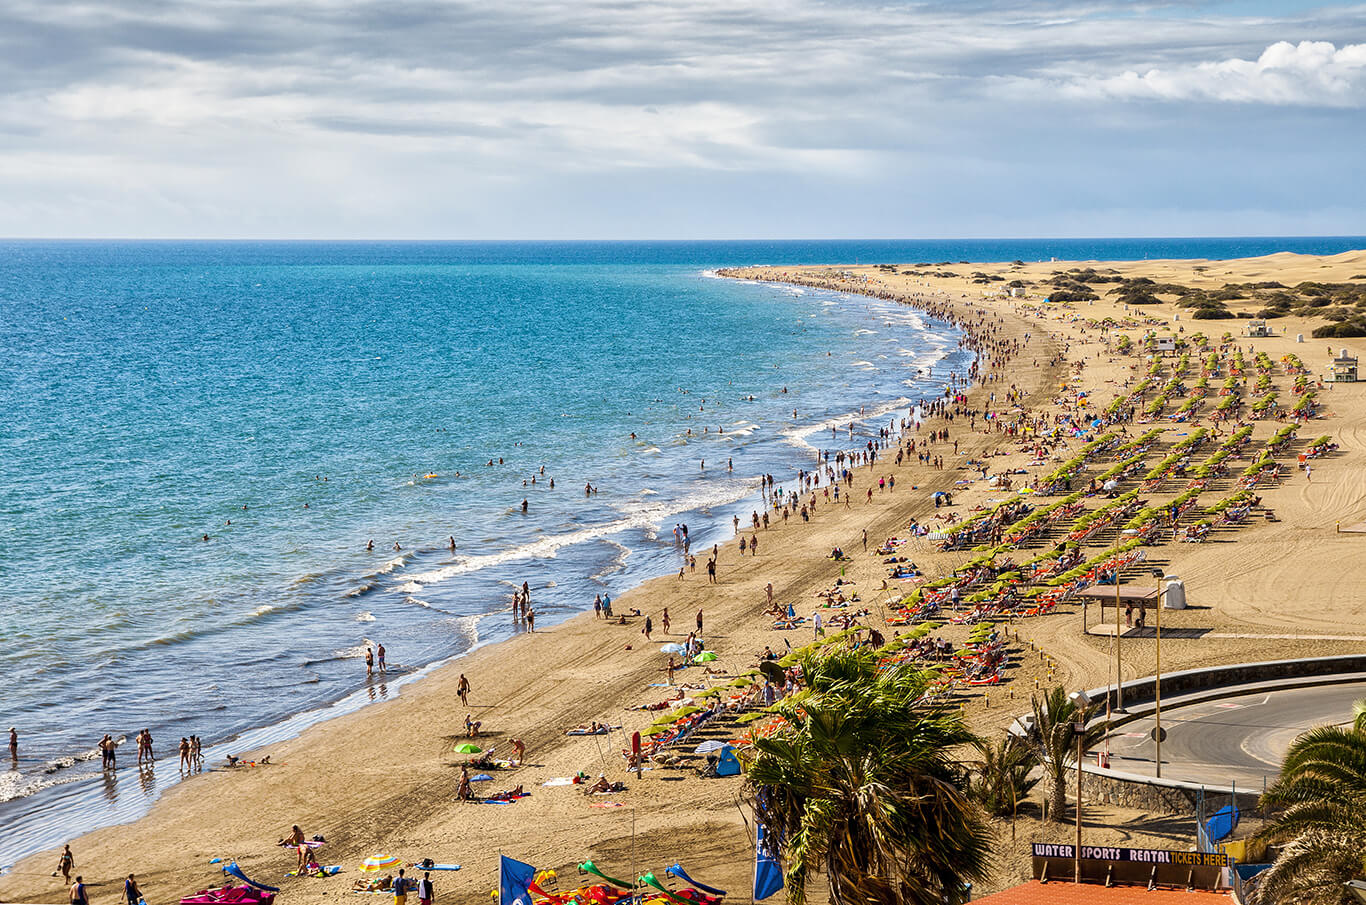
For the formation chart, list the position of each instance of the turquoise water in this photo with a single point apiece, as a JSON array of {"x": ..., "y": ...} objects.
[{"x": 289, "y": 400}]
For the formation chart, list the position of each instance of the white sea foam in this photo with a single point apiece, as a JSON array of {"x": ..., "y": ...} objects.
[
  {"x": 397, "y": 562},
  {"x": 797, "y": 436},
  {"x": 641, "y": 514},
  {"x": 365, "y": 617}
]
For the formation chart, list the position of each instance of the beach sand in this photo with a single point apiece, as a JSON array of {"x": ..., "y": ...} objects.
[{"x": 383, "y": 780}]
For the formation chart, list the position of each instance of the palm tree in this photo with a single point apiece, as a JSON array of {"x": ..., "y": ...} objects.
[
  {"x": 863, "y": 785},
  {"x": 1054, "y": 739},
  {"x": 1001, "y": 777},
  {"x": 1321, "y": 797}
]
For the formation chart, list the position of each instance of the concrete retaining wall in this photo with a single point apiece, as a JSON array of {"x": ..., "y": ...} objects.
[{"x": 1142, "y": 691}]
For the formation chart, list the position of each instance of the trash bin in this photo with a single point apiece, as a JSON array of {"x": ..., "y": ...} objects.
[{"x": 1174, "y": 594}]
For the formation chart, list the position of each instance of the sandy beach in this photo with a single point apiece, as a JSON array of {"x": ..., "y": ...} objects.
[{"x": 384, "y": 780}]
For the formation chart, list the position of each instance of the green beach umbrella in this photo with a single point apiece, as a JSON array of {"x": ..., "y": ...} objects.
[
  {"x": 751, "y": 717},
  {"x": 789, "y": 660},
  {"x": 710, "y": 693},
  {"x": 706, "y": 656},
  {"x": 468, "y": 748}
]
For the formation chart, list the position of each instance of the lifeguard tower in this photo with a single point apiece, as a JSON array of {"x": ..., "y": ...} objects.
[
  {"x": 1258, "y": 328},
  {"x": 1344, "y": 368}
]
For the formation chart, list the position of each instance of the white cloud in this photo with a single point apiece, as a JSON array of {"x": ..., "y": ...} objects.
[
  {"x": 1312, "y": 73},
  {"x": 404, "y": 117}
]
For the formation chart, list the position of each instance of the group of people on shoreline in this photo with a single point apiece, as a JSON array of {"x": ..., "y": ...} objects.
[{"x": 191, "y": 750}]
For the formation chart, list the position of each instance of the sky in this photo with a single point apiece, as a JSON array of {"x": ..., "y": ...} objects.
[{"x": 563, "y": 119}]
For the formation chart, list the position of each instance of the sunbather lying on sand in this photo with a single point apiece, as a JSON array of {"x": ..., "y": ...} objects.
[
  {"x": 603, "y": 787},
  {"x": 507, "y": 795},
  {"x": 593, "y": 728}
]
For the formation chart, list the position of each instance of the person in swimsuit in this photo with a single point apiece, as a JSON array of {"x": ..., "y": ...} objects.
[
  {"x": 66, "y": 864},
  {"x": 131, "y": 893},
  {"x": 78, "y": 894},
  {"x": 462, "y": 688},
  {"x": 369, "y": 662},
  {"x": 379, "y": 652},
  {"x": 464, "y": 792},
  {"x": 184, "y": 753}
]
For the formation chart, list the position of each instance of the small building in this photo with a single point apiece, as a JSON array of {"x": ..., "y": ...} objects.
[
  {"x": 1018, "y": 292},
  {"x": 1344, "y": 368},
  {"x": 1258, "y": 327},
  {"x": 1166, "y": 344}
]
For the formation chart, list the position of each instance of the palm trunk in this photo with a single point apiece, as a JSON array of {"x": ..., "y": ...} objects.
[{"x": 1057, "y": 797}]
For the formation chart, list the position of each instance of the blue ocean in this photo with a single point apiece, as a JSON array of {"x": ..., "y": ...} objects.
[{"x": 201, "y": 442}]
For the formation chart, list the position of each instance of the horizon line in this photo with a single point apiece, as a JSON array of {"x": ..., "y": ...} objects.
[{"x": 415, "y": 240}]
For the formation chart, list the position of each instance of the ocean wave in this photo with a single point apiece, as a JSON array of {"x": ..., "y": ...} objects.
[
  {"x": 397, "y": 562},
  {"x": 798, "y": 436},
  {"x": 640, "y": 515},
  {"x": 365, "y": 617}
]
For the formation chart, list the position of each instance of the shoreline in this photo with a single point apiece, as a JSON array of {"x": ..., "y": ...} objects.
[
  {"x": 381, "y": 779},
  {"x": 438, "y": 683},
  {"x": 255, "y": 741}
]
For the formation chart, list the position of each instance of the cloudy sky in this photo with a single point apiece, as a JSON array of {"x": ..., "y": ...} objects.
[{"x": 678, "y": 119}]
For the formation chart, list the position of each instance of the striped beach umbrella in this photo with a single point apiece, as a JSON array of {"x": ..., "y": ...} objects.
[{"x": 376, "y": 863}]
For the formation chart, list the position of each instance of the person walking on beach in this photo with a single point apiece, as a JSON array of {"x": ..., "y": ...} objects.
[
  {"x": 462, "y": 688},
  {"x": 530, "y": 619},
  {"x": 711, "y": 571},
  {"x": 78, "y": 894},
  {"x": 664, "y": 620},
  {"x": 379, "y": 652},
  {"x": 184, "y": 753},
  {"x": 369, "y": 662},
  {"x": 400, "y": 888},
  {"x": 649, "y": 627},
  {"x": 131, "y": 893},
  {"x": 425, "y": 891},
  {"x": 699, "y": 623},
  {"x": 597, "y": 607},
  {"x": 66, "y": 864}
]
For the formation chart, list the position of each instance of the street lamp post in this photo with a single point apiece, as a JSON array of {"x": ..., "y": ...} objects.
[
  {"x": 1157, "y": 688},
  {"x": 1119, "y": 662}
]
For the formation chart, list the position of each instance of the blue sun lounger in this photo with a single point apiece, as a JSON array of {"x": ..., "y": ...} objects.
[{"x": 677, "y": 871}]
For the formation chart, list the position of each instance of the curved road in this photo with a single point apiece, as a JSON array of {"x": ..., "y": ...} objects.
[{"x": 1239, "y": 740}]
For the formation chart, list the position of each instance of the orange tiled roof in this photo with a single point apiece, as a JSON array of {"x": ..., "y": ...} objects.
[{"x": 1065, "y": 892}]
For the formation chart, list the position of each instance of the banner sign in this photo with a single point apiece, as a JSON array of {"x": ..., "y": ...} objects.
[{"x": 1134, "y": 855}]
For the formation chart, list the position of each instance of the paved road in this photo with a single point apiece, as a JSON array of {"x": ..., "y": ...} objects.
[{"x": 1238, "y": 740}]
